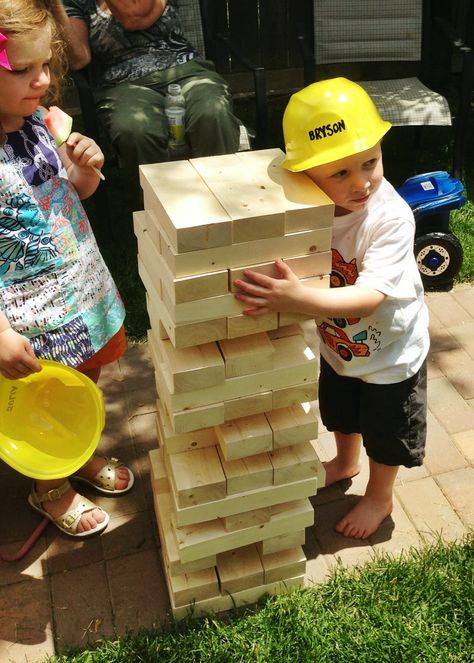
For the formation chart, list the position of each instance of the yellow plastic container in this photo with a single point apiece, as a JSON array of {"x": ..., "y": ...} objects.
[{"x": 50, "y": 422}]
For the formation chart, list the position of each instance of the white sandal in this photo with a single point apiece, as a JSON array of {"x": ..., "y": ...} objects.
[
  {"x": 69, "y": 520},
  {"x": 104, "y": 480}
]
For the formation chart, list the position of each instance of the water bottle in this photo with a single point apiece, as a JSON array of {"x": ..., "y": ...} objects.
[{"x": 175, "y": 112}]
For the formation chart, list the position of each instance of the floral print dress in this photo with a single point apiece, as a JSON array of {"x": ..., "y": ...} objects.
[{"x": 55, "y": 288}]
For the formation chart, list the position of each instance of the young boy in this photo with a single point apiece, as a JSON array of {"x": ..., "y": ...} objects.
[{"x": 374, "y": 329}]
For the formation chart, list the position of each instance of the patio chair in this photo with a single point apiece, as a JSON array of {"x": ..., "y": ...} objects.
[
  {"x": 385, "y": 46},
  {"x": 192, "y": 19}
]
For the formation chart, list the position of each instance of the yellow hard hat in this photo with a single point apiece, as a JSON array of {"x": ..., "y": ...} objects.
[
  {"x": 50, "y": 422},
  {"x": 327, "y": 121}
]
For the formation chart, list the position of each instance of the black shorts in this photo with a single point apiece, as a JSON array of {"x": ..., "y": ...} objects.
[{"x": 390, "y": 417}]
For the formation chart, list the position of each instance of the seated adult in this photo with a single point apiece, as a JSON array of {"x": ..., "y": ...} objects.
[{"x": 136, "y": 48}]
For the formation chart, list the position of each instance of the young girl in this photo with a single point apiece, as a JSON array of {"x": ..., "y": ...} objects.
[{"x": 57, "y": 298}]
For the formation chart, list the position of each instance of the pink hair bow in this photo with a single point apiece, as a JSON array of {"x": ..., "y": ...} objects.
[{"x": 4, "y": 61}]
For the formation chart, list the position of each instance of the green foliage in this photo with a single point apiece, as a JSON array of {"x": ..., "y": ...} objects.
[{"x": 418, "y": 607}]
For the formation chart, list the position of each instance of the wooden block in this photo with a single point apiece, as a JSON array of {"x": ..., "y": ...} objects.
[
  {"x": 180, "y": 290},
  {"x": 293, "y": 424},
  {"x": 250, "y": 201},
  {"x": 301, "y": 393},
  {"x": 181, "y": 336},
  {"x": 322, "y": 469},
  {"x": 245, "y": 436},
  {"x": 174, "y": 443},
  {"x": 286, "y": 330},
  {"x": 246, "y": 519},
  {"x": 299, "y": 461},
  {"x": 169, "y": 547},
  {"x": 284, "y": 564},
  {"x": 224, "y": 257},
  {"x": 239, "y": 569},
  {"x": 143, "y": 226},
  {"x": 208, "y": 538},
  {"x": 243, "y": 325},
  {"x": 294, "y": 363},
  {"x": 248, "y": 501},
  {"x": 247, "y": 473},
  {"x": 202, "y": 309},
  {"x": 226, "y": 602},
  {"x": 286, "y": 318},
  {"x": 236, "y": 408},
  {"x": 158, "y": 474},
  {"x": 308, "y": 266},
  {"x": 196, "y": 476},
  {"x": 305, "y": 204},
  {"x": 250, "y": 354},
  {"x": 195, "y": 367},
  {"x": 192, "y": 217},
  {"x": 285, "y": 541},
  {"x": 194, "y": 586}
]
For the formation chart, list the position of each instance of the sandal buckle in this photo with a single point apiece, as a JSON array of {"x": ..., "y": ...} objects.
[{"x": 53, "y": 494}]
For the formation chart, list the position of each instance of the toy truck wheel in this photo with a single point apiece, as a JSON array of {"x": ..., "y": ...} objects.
[{"x": 439, "y": 258}]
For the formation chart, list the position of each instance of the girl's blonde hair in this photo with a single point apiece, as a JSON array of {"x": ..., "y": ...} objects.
[{"x": 20, "y": 17}]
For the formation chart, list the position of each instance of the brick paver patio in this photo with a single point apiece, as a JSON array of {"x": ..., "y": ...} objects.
[{"x": 71, "y": 592}]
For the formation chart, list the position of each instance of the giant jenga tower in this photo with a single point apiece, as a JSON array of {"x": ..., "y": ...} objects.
[{"x": 236, "y": 462}]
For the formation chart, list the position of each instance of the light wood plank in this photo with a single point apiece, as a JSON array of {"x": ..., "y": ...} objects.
[
  {"x": 288, "y": 396},
  {"x": 229, "y": 601},
  {"x": 246, "y": 519},
  {"x": 299, "y": 461},
  {"x": 158, "y": 473},
  {"x": 224, "y": 257},
  {"x": 243, "y": 325},
  {"x": 175, "y": 443},
  {"x": 193, "y": 219},
  {"x": 181, "y": 336},
  {"x": 305, "y": 204},
  {"x": 235, "y": 408},
  {"x": 240, "y": 569},
  {"x": 247, "y": 501},
  {"x": 245, "y": 436},
  {"x": 293, "y": 424},
  {"x": 248, "y": 354},
  {"x": 209, "y": 538},
  {"x": 252, "y": 202},
  {"x": 195, "y": 367},
  {"x": 197, "y": 476},
  {"x": 194, "y": 586},
  {"x": 169, "y": 547},
  {"x": 308, "y": 266},
  {"x": 285, "y": 541},
  {"x": 284, "y": 564},
  {"x": 247, "y": 473}
]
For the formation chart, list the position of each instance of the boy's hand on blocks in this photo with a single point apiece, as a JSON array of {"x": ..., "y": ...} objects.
[
  {"x": 17, "y": 359},
  {"x": 263, "y": 293},
  {"x": 84, "y": 152}
]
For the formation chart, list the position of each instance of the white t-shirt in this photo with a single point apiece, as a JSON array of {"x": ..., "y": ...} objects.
[{"x": 374, "y": 248}]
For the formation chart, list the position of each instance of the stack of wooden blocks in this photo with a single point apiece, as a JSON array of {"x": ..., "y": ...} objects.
[{"x": 236, "y": 462}]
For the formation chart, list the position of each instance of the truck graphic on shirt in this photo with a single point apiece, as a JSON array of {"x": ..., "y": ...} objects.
[{"x": 343, "y": 273}]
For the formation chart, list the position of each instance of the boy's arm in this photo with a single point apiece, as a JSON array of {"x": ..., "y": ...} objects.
[{"x": 289, "y": 294}]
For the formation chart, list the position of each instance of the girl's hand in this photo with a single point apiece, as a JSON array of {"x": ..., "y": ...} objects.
[
  {"x": 17, "y": 359},
  {"x": 264, "y": 293},
  {"x": 84, "y": 152}
]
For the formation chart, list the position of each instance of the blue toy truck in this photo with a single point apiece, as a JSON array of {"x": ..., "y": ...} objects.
[{"x": 438, "y": 252}]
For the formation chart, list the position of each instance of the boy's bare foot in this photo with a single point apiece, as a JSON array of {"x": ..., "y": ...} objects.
[
  {"x": 365, "y": 518},
  {"x": 337, "y": 471}
]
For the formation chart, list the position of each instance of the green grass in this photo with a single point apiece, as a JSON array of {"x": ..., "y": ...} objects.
[{"x": 409, "y": 609}]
